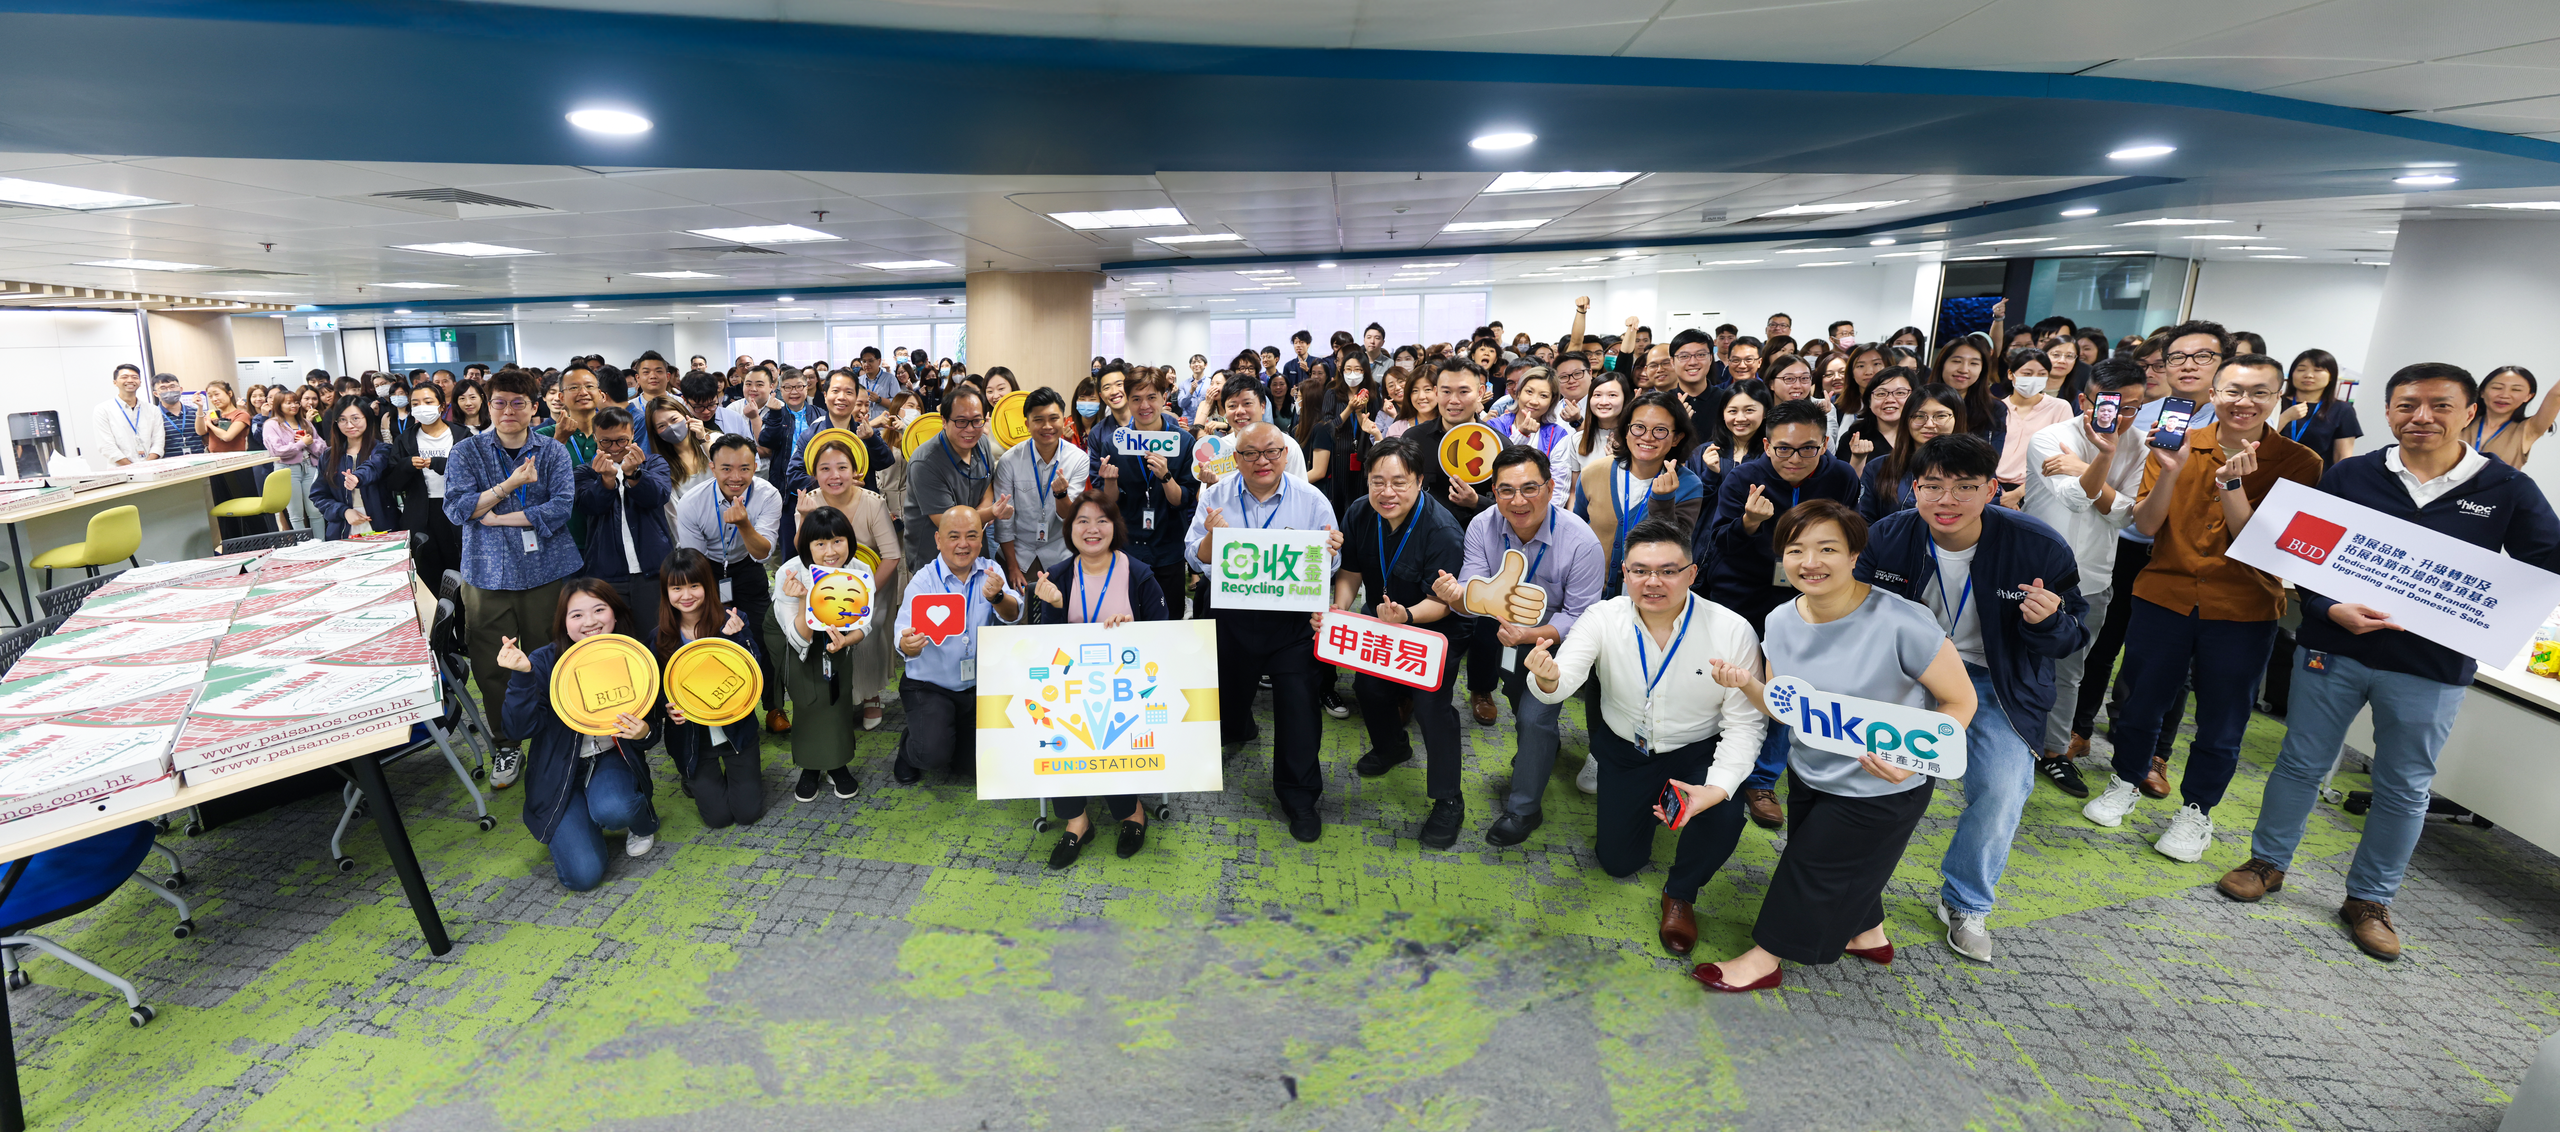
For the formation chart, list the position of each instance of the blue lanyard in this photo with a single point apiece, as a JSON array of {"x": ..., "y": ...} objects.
[
  {"x": 1100, "y": 596},
  {"x": 1654, "y": 676},
  {"x": 132, "y": 420},
  {"x": 1387, "y": 562},
  {"x": 2305, "y": 423},
  {"x": 1625, "y": 483},
  {"x": 958, "y": 466},
  {"x": 728, "y": 534},
  {"x": 1244, "y": 501},
  {"x": 1956, "y": 617},
  {"x": 1541, "y": 559},
  {"x": 2475, "y": 431},
  {"x": 509, "y": 465},
  {"x": 1051, "y": 477}
]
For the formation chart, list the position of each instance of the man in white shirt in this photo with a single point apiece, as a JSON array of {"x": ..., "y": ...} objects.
[
  {"x": 2082, "y": 483},
  {"x": 129, "y": 428},
  {"x": 734, "y": 521},
  {"x": 1038, "y": 474},
  {"x": 1666, "y": 716}
]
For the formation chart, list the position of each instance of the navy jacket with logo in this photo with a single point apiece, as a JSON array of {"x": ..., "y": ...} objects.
[
  {"x": 2500, "y": 508},
  {"x": 2016, "y": 548}
]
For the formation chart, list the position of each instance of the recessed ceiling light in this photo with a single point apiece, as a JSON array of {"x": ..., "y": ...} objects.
[
  {"x": 2082, "y": 211},
  {"x": 2078, "y": 247},
  {"x": 1808, "y": 251},
  {"x": 2425, "y": 179},
  {"x": 676, "y": 275},
  {"x": 467, "y": 249},
  {"x": 782, "y": 298},
  {"x": 2168, "y": 222},
  {"x": 1833, "y": 209},
  {"x": 1423, "y": 266},
  {"x": 246, "y": 294},
  {"x": 1727, "y": 262},
  {"x": 2021, "y": 240},
  {"x": 1880, "y": 242},
  {"x": 2519, "y": 205},
  {"x": 1121, "y": 218},
  {"x": 145, "y": 265},
  {"x": 403, "y": 310},
  {"x": 1324, "y": 265},
  {"x": 2138, "y": 152},
  {"x": 44, "y": 195},
  {"x": 580, "y": 306},
  {"x": 1510, "y": 139},
  {"x": 596, "y": 120},
  {"x": 1496, "y": 225},
  {"x": 906, "y": 264},
  {"x": 764, "y": 234},
  {"x": 420, "y": 286},
  {"x": 1826, "y": 263},
  {"x": 1262, "y": 271},
  {"x": 1557, "y": 182}
]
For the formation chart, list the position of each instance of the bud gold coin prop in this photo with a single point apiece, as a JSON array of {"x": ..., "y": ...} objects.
[
  {"x": 601, "y": 677},
  {"x": 1005, "y": 421},
  {"x": 919, "y": 430},
  {"x": 825, "y": 436},
  {"x": 715, "y": 681}
]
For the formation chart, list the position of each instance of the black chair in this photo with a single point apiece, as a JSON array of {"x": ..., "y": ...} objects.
[
  {"x": 16, "y": 642},
  {"x": 62, "y": 601},
  {"x": 271, "y": 540},
  {"x": 460, "y": 720}
]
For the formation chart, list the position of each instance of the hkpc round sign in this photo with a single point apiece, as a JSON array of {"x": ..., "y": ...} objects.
[{"x": 1915, "y": 739}]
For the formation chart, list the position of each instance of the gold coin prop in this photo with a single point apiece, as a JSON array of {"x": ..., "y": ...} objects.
[
  {"x": 919, "y": 430},
  {"x": 602, "y": 677},
  {"x": 869, "y": 558},
  {"x": 861, "y": 451},
  {"x": 1467, "y": 453},
  {"x": 1006, "y": 423},
  {"x": 714, "y": 681}
]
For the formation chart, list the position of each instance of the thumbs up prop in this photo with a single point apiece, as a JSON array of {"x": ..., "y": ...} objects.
[{"x": 1504, "y": 597}]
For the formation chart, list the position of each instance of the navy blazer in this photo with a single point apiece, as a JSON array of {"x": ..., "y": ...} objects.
[
  {"x": 2016, "y": 549},
  {"x": 553, "y": 770},
  {"x": 1146, "y": 598},
  {"x": 645, "y": 491},
  {"x": 331, "y": 498},
  {"x": 1740, "y": 562}
]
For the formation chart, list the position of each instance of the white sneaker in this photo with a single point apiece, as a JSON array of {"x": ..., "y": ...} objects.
[
  {"x": 2109, "y": 809},
  {"x": 1589, "y": 780},
  {"x": 639, "y": 845},
  {"x": 504, "y": 764},
  {"x": 2190, "y": 833}
]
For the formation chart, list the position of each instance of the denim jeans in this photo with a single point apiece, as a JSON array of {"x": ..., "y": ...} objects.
[
  {"x": 297, "y": 509},
  {"x": 2066, "y": 678},
  {"x": 2227, "y": 660},
  {"x": 2411, "y": 717},
  {"x": 1999, "y": 773},
  {"x": 611, "y": 799}
]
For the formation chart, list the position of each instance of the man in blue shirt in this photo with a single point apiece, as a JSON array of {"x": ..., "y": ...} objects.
[
  {"x": 177, "y": 425},
  {"x": 939, "y": 690},
  {"x": 510, "y": 492}
]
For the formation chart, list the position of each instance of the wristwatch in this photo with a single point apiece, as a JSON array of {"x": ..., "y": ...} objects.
[{"x": 2232, "y": 484}]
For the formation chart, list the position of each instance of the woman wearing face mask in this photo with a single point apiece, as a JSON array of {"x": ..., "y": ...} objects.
[
  {"x": 347, "y": 505},
  {"x": 1649, "y": 478},
  {"x": 1885, "y": 486},
  {"x": 1873, "y": 431},
  {"x": 678, "y": 436},
  {"x": 579, "y": 789},
  {"x": 412, "y": 466},
  {"x": 718, "y": 764},
  {"x": 1087, "y": 420},
  {"x": 817, "y": 664},
  {"x": 1734, "y": 435},
  {"x": 835, "y": 486},
  {"x": 1100, "y": 585},
  {"x": 2030, "y": 410}
]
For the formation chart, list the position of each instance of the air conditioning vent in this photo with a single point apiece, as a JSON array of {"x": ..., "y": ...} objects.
[
  {"x": 455, "y": 204},
  {"x": 725, "y": 251},
  {"x": 253, "y": 273}
]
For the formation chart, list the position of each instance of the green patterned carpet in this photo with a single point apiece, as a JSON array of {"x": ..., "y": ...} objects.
[{"x": 902, "y": 960}]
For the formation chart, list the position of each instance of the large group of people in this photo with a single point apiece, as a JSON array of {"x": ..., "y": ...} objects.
[{"x": 2004, "y": 529}]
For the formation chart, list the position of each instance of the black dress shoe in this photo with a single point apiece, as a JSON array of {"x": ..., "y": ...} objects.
[
  {"x": 905, "y": 774},
  {"x": 1133, "y": 837},
  {"x": 1440, "y": 830},
  {"x": 1511, "y": 829},
  {"x": 1069, "y": 845},
  {"x": 1304, "y": 825},
  {"x": 1373, "y": 764}
]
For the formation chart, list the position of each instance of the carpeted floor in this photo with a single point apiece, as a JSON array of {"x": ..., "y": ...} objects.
[{"x": 904, "y": 961}]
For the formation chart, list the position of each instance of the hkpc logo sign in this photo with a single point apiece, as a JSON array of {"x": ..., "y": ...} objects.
[{"x": 1914, "y": 739}]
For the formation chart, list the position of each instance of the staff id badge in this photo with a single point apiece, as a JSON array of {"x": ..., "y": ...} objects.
[
  {"x": 532, "y": 541},
  {"x": 1644, "y": 731},
  {"x": 1147, "y": 519},
  {"x": 725, "y": 595}
]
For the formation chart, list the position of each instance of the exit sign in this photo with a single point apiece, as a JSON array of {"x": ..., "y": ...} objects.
[
  {"x": 323, "y": 323},
  {"x": 444, "y": 334}
]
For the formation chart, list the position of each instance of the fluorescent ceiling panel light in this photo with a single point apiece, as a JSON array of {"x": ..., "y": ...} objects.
[
  {"x": 42, "y": 195},
  {"x": 1826, "y": 263},
  {"x": 1121, "y": 218},
  {"x": 2168, "y": 222},
  {"x": 2518, "y": 205},
  {"x": 1496, "y": 225},
  {"x": 1728, "y": 262},
  {"x": 906, "y": 264},
  {"x": 597, "y": 120},
  {"x": 763, "y": 234},
  {"x": 1557, "y": 182},
  {"x": 2425, "y": 179},
  {"x": 2083, "y": 211},
  {"x": 1324, "y": 265},
  {"x": 467, "y": 249},
  {"x": 1833, "y": 209},
  {"x": 420, "y": 286},
  {"x": 676, "y": 275},
  {"x": 1509, "y": 139},
  {"x": 2138, "y": 152},
  {"x": 1881, "y": 242},
  {"x": 1420, "y": 266},
  {"x": 145, "y": 265},
  {"x": 1204, "y": 238}
]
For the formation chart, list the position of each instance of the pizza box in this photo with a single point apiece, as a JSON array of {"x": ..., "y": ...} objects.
[
  {"x": 169, "y": 573},
  {"x": 314, "y": 639},
  {"x": 87, "y": 756},
  {"x": 139, "y": 796},
  {"x": 335, "y": 549},
  {"x": 198, "y": 653},
  {"x": 89, "y": 687},
  {"x": 246, "y": 710},
  {"x": 368, "y": 737},
  {"x": 162, "y": 601},
  {"x": 79, "y": 480},
  {"x": 318, "y": 599}
]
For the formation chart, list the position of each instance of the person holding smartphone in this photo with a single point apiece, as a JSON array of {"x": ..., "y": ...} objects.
[{"x": 2082, "y": 475}]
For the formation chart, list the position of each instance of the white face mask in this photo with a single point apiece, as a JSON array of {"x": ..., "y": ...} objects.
[
  {"x": 425, "y": 414},
  {"x": 382, "y": 390},
  {"x": 2028, "y": 386},
  {"x": 1353, "y": 377}
]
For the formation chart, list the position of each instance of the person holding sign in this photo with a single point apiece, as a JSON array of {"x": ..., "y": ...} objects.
[
  {"x": 1153, "y": 491},
  {"x": 1852, "y": 817},
  {"x": 719, "y": 765},
  {"x": 1098, "y": 585},
  {"x": 940, "y": 687},
  {"x": 1533, "y": 570},
  {"x": 735, "y": 525},
  {"x": 834, "y": 484},
  {"x": 1043, "y": 473},
  {"x": 2195, "y": 609},
  {"x": 2353, "y": 655},
  {"x": 1666, "y": 719},
  {"x": 1254, "y": 643},
  {"x": 2006, "y": 588},
  {"x": 818, "y": 664},
  {"x": 577, "y": 787},
  {"x": 1395, "y": 541}
]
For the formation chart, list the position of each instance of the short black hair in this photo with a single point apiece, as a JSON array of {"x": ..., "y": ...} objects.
[
  {"x": 1401, "y": 449},
  {"x": 1746, "y": 340},
  {"x": 1791, "y": 319},
  {"x": 157, "y": 378},
  {"x": 2221, "y": 337},
  {"x": 1792, "y": 521},
  {"x": 1798, "y": 411},
  {"x": 651, "y": 356},
  {"x": 1693, "y": 334},
  {"x": 729, "y": 440},
  {"x": 1244, "y": 383},
  {"x": 1727, "y": 328},
  {"x": 868, "y": 352},
  {"x": 1834, "y": 329},
  {"x": 1658, "y": 529},
  {"x": 1959, "y": 455},
  {"x": 700, "y": 385},
  {"x": 2113, "y": 374},
  {"x": 1303, "y": 336},
  {"x": 1514, "y": 455},
  {"x": 2253, "y": 361},
  {"x": 1041, "y": 398},
  {"x": 823, "y": 524},
  {"x": 2436, "y": 371},
  {"x": 614, "y": 416}
]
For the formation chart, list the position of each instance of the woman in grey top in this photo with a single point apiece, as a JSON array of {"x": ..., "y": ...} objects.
[{"x": 1852, "y": 817}]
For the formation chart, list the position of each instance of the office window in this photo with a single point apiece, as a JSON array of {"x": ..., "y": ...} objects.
[
  {"x": 1449, "y": 318},
  {"x": 1400, "y": 315},
  {"x": 760, "y": 348},
  {"x": 448, "y": 347},
  {"x": 1321, "y": 316},
  {"x": 1274, "y": 333},
  {"x": 1226, "y": 340},
  {"x": 951, "y": 340},
  {"x": 845, "y": 343},
  {"x": 1111, "y": 337},
  {"x": 806, "y": 353}
]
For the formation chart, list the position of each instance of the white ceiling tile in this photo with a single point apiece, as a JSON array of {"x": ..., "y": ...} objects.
[
  {"x": 2427, "y": 86},
  {"x": 2346, "y": 29},
  {"x": 2251, "y": 73},
  {"x": 2036, "y": 33},
  {"x": 1834, "y": 31}
]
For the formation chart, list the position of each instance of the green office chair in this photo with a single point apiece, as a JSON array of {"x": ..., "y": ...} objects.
[
  {"x": 279, "y": 491},
  {"x": 115, "y": 533}
]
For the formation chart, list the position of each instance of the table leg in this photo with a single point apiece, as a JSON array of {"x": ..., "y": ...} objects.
[
  {"x": 404, "y": 860},
  {"x": 18, "y": 562},
  {"x": 13, "y": 1115}
]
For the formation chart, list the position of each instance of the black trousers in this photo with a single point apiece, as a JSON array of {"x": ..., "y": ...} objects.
[
  {"x": 942, "y": 727},
  {"x": 1252, "y": 645},
  {"x": 1175, "y": 581},
  {"x": 1630, "y": 784},
  {"x": 640, "y": 593},
  {"x": 1484, "y": 655},
  {"x": 1122, "y": 806},
  {"x": 751, "y": 594},
  {"x": 2096, "y": 682},
  {"x": 1828, "y": 887},
  {"x": 728, "y": 785},
  {"x": 1432, "y": 712},
  {"x": 436, "y": 544}
]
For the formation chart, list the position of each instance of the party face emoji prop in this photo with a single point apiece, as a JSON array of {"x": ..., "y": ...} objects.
[{"x": 839, "y": 599}]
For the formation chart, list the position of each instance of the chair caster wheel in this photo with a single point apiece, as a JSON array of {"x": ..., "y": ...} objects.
[
  {"x": 195, "y": 829},
  {"x": 479, "y": 772},
  {"x": 184, "y": 929},
  {"x": 488, "y": 822},
  {"x": 346, "y": 864},
  {"x": 141, "y": 1016},
  {"x": 363, "y": 809},
  {"x": 1039, "y": 825},
  {"x": 178, "y": 879},
  {"x": 20, "y": 980}
]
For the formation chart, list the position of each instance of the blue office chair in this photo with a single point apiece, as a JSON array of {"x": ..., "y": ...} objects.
[{"x": 64, "y": 882}]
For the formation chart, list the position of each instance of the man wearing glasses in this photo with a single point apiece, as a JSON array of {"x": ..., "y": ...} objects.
[
  {"x": 1396, "y": 541},
  {"x": 2133, "y": 549},
  {"x": 510, "y": 492},
  {"x": 1742, "y": 359},
  {"x": 1744, "y": 575},
  {"x": 2006, "y": 588},
  {"x": 951, "y": 470},
  {"x": 2194, "y": 607},
  {"x": 623, "y": 497},
  {"x": 1693, "y": 366},
  {"x": 1279, "y": 644}
]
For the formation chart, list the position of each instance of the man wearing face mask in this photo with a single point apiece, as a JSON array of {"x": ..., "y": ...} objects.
[
  {"x": 177, "y": 424},
  {"x": 623, "y": 494},
  {"x": 1844, "y": 334}
]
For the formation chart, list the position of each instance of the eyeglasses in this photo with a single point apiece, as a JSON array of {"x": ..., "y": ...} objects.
[
  {"x": 2261, "y": 396},
  {"x": 2197, "y": 357},
  {"x": 1941, "y": 417},
  {"x": 1890, "y": 395},
  {"x": 1647, "y": 573},
  {"x": 1656, "y": 363},
  {"x": 965, "y": 422},
  {"x": 1962, "y": 493},
  {"x": 1796, "y": 451},
  {"x": 1694, "y": 355},
  {"x": 613, "y": 443},
  {"x": 1260, "y": 455},
  {"x": 509, "y": 404},
  {"x": 1649, "y": 432},
  {"x": 1507, "y": 492}
]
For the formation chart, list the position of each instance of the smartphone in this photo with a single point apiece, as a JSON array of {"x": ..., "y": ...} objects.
[
  {"x": 2174, "y": 415},
  {"x": 2102, "y": 416},
  {"x": 1675, "y": 805}
]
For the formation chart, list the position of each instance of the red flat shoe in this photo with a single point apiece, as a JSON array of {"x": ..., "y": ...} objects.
[
  {"x": 1880, "y": 956},
  {"x": 1711, "y": 976}
]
